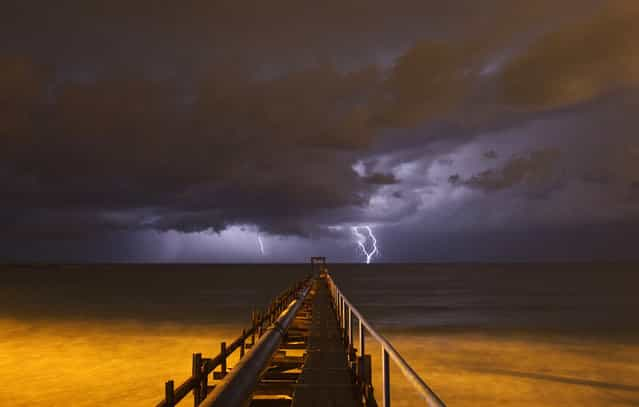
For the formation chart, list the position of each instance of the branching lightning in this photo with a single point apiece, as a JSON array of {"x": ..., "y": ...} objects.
[
  {"x": 361, "y": 241},
  {"x": 260, "y": 244}
]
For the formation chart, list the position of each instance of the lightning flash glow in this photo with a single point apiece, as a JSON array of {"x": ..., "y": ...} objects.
[
  {"x": 260, "y": 244},
  {"x": 361, "y": 241}
]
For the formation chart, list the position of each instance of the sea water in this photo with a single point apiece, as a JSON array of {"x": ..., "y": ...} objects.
[{"x": 489, "y": 334}]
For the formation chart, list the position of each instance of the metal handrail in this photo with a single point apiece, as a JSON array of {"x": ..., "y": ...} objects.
[
  {"x": 202, "y": 367},
  {"x": 236, "y": 388},
  {"x": 341, "y": 303}
]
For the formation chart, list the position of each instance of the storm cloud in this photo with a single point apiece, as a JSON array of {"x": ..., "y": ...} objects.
[{"x": 152, "y": 122}]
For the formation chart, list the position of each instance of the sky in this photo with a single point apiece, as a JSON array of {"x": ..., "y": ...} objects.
[{"x": 242, "y": 131}]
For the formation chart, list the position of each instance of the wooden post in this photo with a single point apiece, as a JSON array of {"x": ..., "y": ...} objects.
[
  {"x": 386, "y": 400},
  {"x": 169, "y": 395},
  {"x": 343, "y": 315},
  {"x": 362, "y": 339},
  {"x": 223, "y": 352},
  {"x": 204, "y": 383},
  {"x": 243, "y": 345},
  {"x": 196, "y": 371},
  {"x": 365, "y": 378},
  {"x": 347, "y": 326},
  {"x": 350, "y": 333},
  {"x": 254, "y": 324}
]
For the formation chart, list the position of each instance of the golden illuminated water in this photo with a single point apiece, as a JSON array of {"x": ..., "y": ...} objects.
[
  {"x": 490, "y": 370},
  {"x": 101, "y": 363},
  {"x": 493, "y": 337},
  {"x": 126, "y": 364}
]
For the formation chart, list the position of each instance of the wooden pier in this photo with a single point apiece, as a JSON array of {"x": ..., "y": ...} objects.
[{"x": 298, "y": 352}]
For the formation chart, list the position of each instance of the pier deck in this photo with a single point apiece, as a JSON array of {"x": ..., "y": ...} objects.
[{"x": 326, "y": 378}]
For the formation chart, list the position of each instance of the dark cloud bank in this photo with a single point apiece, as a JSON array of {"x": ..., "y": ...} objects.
[{"x": 454, "y": 128}]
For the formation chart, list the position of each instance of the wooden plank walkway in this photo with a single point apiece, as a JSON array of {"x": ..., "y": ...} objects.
[{"x": 326, "y": 379}]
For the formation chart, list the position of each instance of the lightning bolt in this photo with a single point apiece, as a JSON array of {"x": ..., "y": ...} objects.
[
  {"x": 260, "y": 244},
  {"x": 361, "y": 240}
]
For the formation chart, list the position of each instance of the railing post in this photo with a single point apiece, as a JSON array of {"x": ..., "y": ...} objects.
[
  {"x": 204, "y": 382},
  {"x": 341, "y": 312},
  {"x": 196, "y": 371},
  {"x": 223, "y": 353},
  {"x": 386, "y": 400},
  {"x": 332, "y": 289},
  {"x": 351, "y": 344},
  {"x": 344, "y": 316},
  {"x": 347, "y": 320},
  {"x": 243, "y": 346},
  {"x": 362, "y": 348},
  {"x": 169, "y": 394},
  {"x": 254, "y": 325}
]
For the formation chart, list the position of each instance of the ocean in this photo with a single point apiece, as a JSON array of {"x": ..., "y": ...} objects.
[{"x": 479, "y": 334}]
